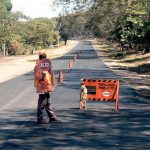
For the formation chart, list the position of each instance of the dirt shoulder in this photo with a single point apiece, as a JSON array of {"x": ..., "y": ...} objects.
[
  {"x": 133, "y": 69},
  {"x": 13, "y": 66}
]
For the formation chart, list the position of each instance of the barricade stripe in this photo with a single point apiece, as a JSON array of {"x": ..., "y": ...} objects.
[{"x": 103, "y": 90}]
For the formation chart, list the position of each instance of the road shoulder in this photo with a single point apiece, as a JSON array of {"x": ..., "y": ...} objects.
[
  {"x": 139, "y": 82},
  {"x": 13, "y": 66}
]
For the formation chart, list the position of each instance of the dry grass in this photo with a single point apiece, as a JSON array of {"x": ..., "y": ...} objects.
[
  {"x": 132, "y": 61},
  {"x": 132, "y": 68}
]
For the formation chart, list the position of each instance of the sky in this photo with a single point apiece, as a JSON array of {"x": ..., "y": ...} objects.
[{"x": 35, "y": 8}]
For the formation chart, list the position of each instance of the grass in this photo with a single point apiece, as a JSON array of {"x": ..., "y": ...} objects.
[
  {"x": 142, "y": 69},
  {"x": 131, "y": 60},
  {"x": 131, "y": 67}
]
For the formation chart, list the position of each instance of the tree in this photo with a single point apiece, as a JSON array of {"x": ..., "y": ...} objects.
[
  {"x": 40, "y": 32},
  {"x": 128, "y": 20},
  {"x": 72, "y": 25},
  {"x": 5, "y": 7}
]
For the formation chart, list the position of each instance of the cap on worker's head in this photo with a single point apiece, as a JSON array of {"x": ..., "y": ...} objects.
[{"x": 42, "y": 54}]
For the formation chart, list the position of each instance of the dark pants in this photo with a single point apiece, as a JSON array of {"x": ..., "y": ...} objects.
[{"x": 44, "y": 103}]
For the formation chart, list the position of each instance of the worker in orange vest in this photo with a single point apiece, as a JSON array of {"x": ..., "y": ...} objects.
[{"x": 43, "y": 85}]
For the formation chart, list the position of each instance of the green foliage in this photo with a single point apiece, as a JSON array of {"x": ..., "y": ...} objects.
[
  {"x": 127, "y": 20},
  {"x": 21, "y": 34},
  {"x": 72, "y": 25},
  {"x": 118, "y": 55},
  {"x": 5, "y": 5},
  {"x": 130, "y": 28},
  {"x": 40, "y": 32}
]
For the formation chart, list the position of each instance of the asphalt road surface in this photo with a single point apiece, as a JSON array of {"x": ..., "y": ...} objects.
[{"x": 98, "y": 127}]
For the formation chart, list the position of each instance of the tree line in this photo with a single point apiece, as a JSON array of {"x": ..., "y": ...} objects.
[
  {"x": 20, "y": 34},
  {"x": 126, "y": 22}
]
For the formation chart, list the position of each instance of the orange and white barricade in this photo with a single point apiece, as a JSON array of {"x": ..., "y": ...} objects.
[{"x": 102, "y": 90}]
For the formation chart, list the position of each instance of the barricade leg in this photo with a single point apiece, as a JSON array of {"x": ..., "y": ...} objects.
[
  {"x": 117, "y": 98},
  {"x": 117, "y": 105}
]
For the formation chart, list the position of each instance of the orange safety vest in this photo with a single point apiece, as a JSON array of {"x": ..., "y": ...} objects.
[{"x": 42, "y": 76}]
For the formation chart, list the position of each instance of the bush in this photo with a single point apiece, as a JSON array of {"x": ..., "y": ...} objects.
[
  {"x": 118, "y": 55},
  {"x": 17, "y": 48}
]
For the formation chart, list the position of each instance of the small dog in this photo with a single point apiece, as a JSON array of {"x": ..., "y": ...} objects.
[{"x": 83, "y": 97}]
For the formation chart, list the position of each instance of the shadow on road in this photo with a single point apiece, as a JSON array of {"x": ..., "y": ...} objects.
[
  {"x": 91, "y": 129},
  {"x": 99, "y": 127}
]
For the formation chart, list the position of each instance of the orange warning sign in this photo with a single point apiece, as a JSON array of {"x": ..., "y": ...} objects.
[{"x": 102, "y": 90}]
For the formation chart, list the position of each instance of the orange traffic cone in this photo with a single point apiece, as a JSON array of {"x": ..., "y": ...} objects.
[
  {"x": 70, "y": 63},
  {"x": 60, "y": 78},
  {"x": 53, "y": 79}
]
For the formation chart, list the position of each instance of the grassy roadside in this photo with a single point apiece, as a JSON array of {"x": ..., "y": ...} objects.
[
  {"x": 51, "y": 53},
  {"x": 131, "y": 67},
  {"x": 130, "y": 60}
]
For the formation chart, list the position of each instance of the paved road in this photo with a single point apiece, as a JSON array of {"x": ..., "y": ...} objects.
[{"x": 99, "y": 127}]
